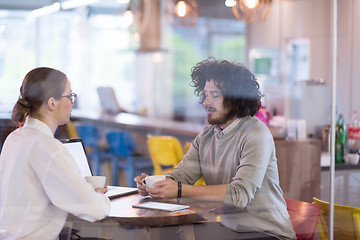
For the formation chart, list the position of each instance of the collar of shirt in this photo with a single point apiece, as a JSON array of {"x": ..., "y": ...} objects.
[
  {"x": 222, "y": 133},
  {"x": 37, "y": 124}
]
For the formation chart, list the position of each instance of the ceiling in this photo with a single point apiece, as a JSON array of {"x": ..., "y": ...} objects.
[
  {"x": 33, "y": 4},
  {"x": 207, "y": 8}
]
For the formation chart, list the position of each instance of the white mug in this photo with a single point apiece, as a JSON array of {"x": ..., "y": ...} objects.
[
  {"x": 351, "y": 158},
  {"x": 150, "y": 180},
  {"x": 96, "y": 181}
]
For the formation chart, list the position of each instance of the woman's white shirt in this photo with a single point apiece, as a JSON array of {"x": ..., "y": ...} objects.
[{"x": 40, "y": 184}]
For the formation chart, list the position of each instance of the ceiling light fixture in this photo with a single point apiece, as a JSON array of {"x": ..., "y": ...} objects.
[
  {"x": 251, "y": 10},
  {"x": 230, "y": 3},
  {"x": 128, "y": 17},
  {"x": 181, "y": 13},
  {"x": 76, "y": 3},
  {"x": 55, "y": 7},
  {"x": 137, "y": 14}
]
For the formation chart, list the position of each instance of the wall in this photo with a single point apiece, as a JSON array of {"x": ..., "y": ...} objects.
[{"x": 312, "y": 20}]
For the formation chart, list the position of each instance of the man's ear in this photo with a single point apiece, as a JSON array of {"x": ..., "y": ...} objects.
[{"x": 51, "y": 104}]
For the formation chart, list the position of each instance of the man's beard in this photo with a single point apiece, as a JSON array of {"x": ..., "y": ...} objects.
[{"x": 220, "y": 120}]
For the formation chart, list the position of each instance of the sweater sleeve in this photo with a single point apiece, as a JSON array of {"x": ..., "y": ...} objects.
[{"x": 255, "y": 151}]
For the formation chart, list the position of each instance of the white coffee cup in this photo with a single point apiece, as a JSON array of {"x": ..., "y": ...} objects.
[
  {"x": 96, "y": 181},
  {"x": 352, "y": 158},
  {"x": 150, "y": 180}
]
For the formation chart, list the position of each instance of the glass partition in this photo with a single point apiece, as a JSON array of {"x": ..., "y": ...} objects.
[{"x": 291, "y": 62}]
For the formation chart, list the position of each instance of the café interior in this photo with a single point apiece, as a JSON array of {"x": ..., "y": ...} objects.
[{"x": 129, "y": 62}]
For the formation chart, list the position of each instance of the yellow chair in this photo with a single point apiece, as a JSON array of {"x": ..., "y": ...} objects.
[
  {"x": 201, "y": 181},
  {"x": 346, "y": 221},
  {"x": 165, "y": 151},
  {"x": 71, "y": 130}
]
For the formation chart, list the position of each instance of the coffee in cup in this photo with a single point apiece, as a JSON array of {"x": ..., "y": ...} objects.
[{"x": 150, "y": 180}]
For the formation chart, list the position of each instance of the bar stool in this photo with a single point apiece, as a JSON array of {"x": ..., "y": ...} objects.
[{"x": 122, "y": 148}]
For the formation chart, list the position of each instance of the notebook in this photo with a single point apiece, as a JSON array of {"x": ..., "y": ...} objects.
[
  {"x": 162, "y": 206},
  {"x": 77, "y": 150}
]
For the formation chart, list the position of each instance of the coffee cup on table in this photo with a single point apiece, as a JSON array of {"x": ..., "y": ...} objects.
[
  {"x": 149, "y": 181},
  {"x": 96, "y": 181}
]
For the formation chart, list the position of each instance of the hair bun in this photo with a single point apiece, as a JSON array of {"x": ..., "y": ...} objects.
[{"x": 22, "y": 102}]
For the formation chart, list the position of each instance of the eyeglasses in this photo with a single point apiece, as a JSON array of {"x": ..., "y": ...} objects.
[{"x": 72, "y": 97}]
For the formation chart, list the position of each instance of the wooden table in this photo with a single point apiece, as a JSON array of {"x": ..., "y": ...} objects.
[
  {"x": 124, "y": 214},
  {"x": 126, "y": 222}
]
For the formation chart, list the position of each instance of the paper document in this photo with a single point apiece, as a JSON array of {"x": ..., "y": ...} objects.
[{"x": 162, "y": 206}]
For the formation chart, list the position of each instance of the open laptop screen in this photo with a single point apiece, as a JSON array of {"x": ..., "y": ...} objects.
[{"x": 77, "y": 150}]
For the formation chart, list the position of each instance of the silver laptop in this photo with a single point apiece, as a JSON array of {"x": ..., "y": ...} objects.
[
  {"x": 77, "y": 150},
  {"x": 108, "y": 100}
]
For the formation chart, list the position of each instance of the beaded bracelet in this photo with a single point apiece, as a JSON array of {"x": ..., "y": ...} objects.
[{"x": 179, "y": 191}]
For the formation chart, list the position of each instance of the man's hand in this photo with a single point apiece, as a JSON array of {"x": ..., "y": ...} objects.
[
  {"x": 139, "y": 184},
  {"x": 166, "y": 189}
]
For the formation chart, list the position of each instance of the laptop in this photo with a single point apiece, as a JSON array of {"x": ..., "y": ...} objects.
[
  {"x": 108, "y": 100},
  {"x": 77, "y": 150}
]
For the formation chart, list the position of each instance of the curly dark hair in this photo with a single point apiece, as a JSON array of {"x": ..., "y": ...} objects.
[{"x": 237, "y": 84}]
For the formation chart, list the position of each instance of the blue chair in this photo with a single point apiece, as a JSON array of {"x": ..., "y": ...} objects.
[
  {"x": 122, "y": 147},
  {"x": 90, "y": 136}
]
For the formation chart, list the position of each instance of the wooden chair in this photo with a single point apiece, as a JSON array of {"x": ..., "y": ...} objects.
[
  {"x": 304, "y": 217},
  {"x": 346, "y": 221}
]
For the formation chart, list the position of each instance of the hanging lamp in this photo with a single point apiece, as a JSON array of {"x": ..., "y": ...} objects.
[
  {"x": 181, "y": 13},
  {"x": 251, "y": 10}
]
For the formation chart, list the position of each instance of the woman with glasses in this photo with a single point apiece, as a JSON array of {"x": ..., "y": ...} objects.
[{"x": 40, "y": 182}]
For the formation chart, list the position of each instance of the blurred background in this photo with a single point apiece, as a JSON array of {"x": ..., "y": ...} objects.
[{"x": 147, "y": 58}]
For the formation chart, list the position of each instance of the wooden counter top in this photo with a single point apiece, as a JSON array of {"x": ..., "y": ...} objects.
[{"x": 136, "y": 122}]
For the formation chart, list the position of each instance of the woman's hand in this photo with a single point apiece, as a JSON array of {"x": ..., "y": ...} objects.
[
  {"x": 101, "y": 190},
  {"x": 139, "y": 184}
]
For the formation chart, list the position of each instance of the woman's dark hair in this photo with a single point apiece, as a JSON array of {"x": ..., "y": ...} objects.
[
  {"x": 237, "y": 84},
  {"x": 38, "y": 86}
]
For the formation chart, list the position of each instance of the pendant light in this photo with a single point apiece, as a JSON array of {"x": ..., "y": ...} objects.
[
  {"x": 181, "y": 13},
  {"x": 251, "y": 10}
]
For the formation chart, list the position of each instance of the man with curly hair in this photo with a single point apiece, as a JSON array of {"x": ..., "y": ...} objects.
[{"x": 235, "y": 154}]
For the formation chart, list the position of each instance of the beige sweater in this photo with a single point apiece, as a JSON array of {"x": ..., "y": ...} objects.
[{"x": 243, "y": 157}]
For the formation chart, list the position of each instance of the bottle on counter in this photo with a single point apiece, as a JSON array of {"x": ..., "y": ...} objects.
[
  {"x": 353, "y": 141},
  {"x": 340, "y": 140}
]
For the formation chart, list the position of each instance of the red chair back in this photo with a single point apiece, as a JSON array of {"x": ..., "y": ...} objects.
[{"x": 303, "y": 217}]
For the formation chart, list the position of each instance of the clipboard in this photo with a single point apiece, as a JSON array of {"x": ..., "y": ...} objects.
[{"x": 161, "y": 206}]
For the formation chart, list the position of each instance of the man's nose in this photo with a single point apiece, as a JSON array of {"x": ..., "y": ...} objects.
[{"x": 207, "y": 100}]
